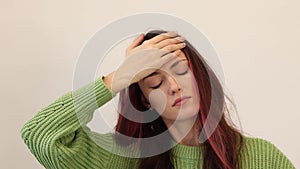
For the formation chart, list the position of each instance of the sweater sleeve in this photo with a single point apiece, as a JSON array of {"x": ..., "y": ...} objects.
[
  {"x": 57, "y": 134},
  {"x": 261, "y": 153}
]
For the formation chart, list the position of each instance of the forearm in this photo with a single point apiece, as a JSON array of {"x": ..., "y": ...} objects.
[
  {"x": 115, "y": 85},
  {"x": 108, "y": 80},
  {"x": 59, "y": 121}
]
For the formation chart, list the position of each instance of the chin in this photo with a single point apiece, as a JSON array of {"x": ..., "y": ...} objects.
[{"x": 175, "y": 116}]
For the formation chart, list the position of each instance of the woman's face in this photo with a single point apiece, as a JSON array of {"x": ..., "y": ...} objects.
[{"x": 172, "y": 90}]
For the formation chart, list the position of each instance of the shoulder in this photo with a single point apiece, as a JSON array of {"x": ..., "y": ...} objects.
[
  {"x": 257, "y": 143},
  {"x": 259, "y": 147},
  {"x": 264, "y": 152}
]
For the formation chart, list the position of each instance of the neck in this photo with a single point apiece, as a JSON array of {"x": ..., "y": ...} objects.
[{"x": 185, "y": 132}]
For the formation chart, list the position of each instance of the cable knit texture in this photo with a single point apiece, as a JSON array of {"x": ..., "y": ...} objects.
[{"x": 58, "y": 137}]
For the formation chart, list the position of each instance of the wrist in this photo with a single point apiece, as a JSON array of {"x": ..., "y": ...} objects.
[{"x": 108, "y": 80}]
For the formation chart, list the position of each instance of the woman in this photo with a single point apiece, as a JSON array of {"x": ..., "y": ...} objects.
[{"x": 164, "y": 76}]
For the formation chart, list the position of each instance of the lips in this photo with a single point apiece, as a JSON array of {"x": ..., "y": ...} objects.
[{"x": 180, "y": 101}]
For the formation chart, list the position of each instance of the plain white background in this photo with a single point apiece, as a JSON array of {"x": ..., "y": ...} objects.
[{"x": 257, "y": 42}]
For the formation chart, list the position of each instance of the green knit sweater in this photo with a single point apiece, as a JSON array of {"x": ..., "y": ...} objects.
[{"x": 59, "y": 139}]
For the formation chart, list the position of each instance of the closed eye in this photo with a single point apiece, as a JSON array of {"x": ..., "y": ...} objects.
[
  {"x": 157, "y": 86},
  {"x": 183, "y": 73},
  {"x": 182, "y": 68}
]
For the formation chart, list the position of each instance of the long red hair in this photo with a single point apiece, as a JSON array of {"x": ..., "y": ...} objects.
[{"x": 221, "y": 149}]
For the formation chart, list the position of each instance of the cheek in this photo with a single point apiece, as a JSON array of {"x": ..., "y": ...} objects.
[
  {"x": 158, "y": 100},
  {"x": 196, "y": 95},
  {"x": 189, "y": 83}
]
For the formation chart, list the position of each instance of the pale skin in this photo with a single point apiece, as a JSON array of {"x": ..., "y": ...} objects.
[{"x": 172, "y": 81}]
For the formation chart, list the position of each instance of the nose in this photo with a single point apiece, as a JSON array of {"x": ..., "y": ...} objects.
[{"x": 173, "y": 85}]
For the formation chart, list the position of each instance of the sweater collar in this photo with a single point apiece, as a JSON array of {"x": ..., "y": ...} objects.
[{"x": 190, "y": 152}]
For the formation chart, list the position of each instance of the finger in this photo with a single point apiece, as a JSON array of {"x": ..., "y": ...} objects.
[
  {"x": 177, "y": 52},
  {"x": 137, "y": 42},
  {"x": 162, "y": 36},
  {"x": 174, "y": 47},
  {"x": 167, "y": 42}
]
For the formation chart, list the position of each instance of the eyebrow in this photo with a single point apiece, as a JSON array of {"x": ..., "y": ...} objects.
[
  {"x": 173, "y": 65},
  {"x": 152, "y": 74}
]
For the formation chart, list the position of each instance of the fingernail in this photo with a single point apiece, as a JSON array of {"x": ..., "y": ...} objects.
[
  {"x": 174, "y": 33},
  {"x": 181, "y": 38}
]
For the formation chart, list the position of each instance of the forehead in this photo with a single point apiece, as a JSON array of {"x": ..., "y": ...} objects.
[{"x": 180, "y": 57}]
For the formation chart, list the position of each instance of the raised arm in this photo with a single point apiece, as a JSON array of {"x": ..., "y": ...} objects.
[{"x": 56, "y": 137}]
